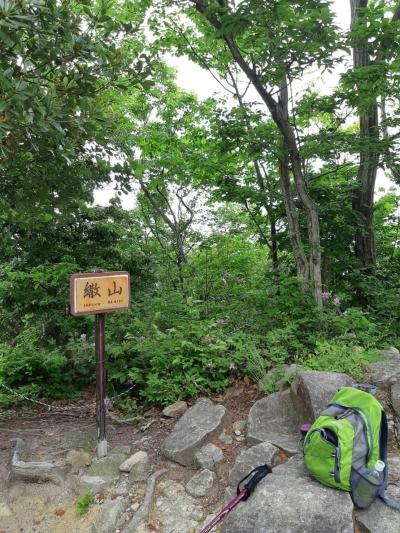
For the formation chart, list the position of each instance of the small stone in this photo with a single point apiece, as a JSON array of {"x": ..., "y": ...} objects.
[
  {"x": 135, "y": 506},
  {"x": 140, "y": 467},
  {"x": 175, "y": 410},
  {"x": 208, "y": 456},
  {"x": 240, "y": 426},
  {"x": 226, "y": 439},
  {"x": 237, "y": 432},
  {"x": 240, "y": 438},
  {"x": 137, "y": 457},
  {"x": 201, "y": 483}
]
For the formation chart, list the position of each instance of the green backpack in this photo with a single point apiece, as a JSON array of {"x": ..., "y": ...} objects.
[{"x": 342, "y": 447}]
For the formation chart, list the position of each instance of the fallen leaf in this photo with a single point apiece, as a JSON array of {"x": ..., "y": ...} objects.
[{"x": 59, "y": 512}]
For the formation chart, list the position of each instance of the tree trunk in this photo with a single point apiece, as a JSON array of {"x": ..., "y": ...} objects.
[
  {"x": 363, "y": 203},
  {"x": 280, "y": 117}
]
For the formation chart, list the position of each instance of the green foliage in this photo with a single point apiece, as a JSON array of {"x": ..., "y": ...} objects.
[
  {"x": 83, "y": 503},
  {"x": 340, "y": 355}
]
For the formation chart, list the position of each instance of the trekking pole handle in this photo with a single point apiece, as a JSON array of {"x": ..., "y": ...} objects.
[{"x": 257, "y": 474}]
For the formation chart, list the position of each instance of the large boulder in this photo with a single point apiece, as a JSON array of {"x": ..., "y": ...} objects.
[
  {"x": 273, "y": 419},
  {"x": 386, "y": 372},
  {"x": 291, "y": 503},
  {"x": 199, "y": 423},
  {"x": 311, "y": 392},
  {"x": 260, "y": 454}
]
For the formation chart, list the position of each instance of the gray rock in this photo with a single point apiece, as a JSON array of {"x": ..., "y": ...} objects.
[
  {"x": 273, "y": 419},
  {"x": 384, "y": 373},
  {"x": 208, "y": 456},
  {"x": 294, "y": 467},
  {"x": 240, "y": 426},
  {"x": 311, "y": 392},
  {"x": 179, "y": 512},
  {"x": 138, "y": 457},
  {"x": 93, "y": 483},
  {"x": 378, "y": 517},
  {"x": 390, "y": 353},
  {"x": 283, "y": 504},
  {"x": 290, "y": 371},
  {"x": 107, "y": 518},
  {"x": 226, "y": 439},
  {"x": 106, "y": 466},
  {"x": 33, "y": 471},
  {"x": 200, "y": 422},
  {"x": 395, "y": 397},
  {"x": 175, "y": 410},
  {"x": 264, "y": 453},
  {"x": 201, "y": 483},
  {"x": 279, "y": 378},
  {"x": 394, "y": 467},
  {"x": 140, "y": 467},
  {"x": 205, "y": 523}
]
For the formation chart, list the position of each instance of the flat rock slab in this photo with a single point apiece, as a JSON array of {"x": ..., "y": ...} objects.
[
  {"x": 311, "y": 392},
  {"x": 285, "y": 504},
  {"x": 178, "y": 512},
  {"x": 260, "y": 454},
  {"x": 201, "y": 483},
  {"x": 379, "y": 518},
  {"x": 273, "y": 419},
  {"x": 200, "y": 422}
]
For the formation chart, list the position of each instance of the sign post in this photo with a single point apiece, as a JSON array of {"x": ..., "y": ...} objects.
[{"x": 97, "y": 293}]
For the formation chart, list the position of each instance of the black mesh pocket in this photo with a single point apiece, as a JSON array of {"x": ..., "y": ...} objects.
[{"x": 364, "y": 487}]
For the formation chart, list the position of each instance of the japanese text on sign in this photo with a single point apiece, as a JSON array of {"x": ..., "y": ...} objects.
[{"x": 99, "y": 292}]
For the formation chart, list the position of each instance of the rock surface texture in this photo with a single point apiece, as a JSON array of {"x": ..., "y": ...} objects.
[
  {"x": 273, "y": 419},
  {"x": 200, "y": 422},
  {"x": 311, "y": 391}
]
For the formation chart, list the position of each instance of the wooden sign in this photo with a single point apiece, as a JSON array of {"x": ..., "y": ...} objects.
[{"x": 99, "y": 292}]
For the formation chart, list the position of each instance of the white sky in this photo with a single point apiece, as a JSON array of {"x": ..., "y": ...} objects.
[{"x": 192, "y": 78}]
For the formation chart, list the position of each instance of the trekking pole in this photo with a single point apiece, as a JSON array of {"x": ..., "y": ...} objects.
[{"x": 241, "y": 494}]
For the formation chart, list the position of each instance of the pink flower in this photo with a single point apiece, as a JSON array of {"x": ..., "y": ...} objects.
[
  {"x": 232, "y": 366},
  {"x": 345, "y": 313},
  {"x": 336, "y": 302},
  {"x": 207, "y": 339},
  {"x": 219, "y": 321},
  {"x": 326, "y": 295}
]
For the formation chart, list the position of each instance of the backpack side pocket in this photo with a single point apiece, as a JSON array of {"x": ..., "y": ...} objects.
[{"x": 365, "y": 487}]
